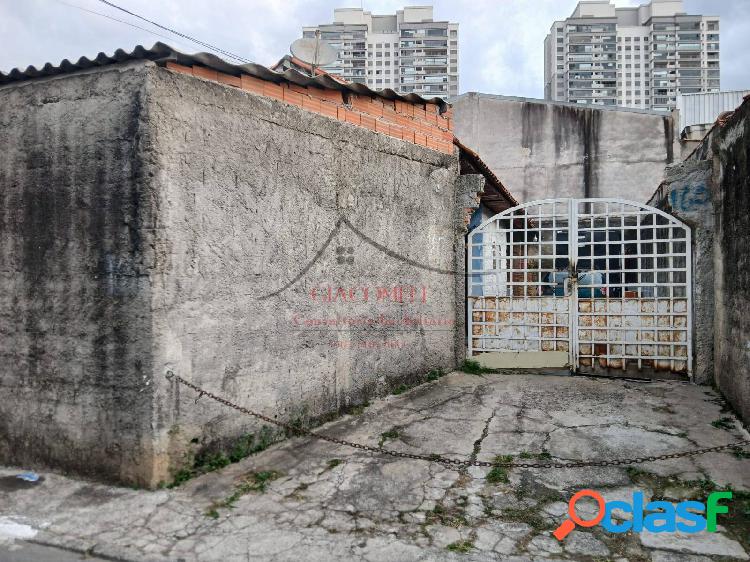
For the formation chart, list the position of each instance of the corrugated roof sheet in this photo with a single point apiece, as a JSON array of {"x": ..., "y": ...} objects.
[
  {"x": 485, "y": 170},
  {"x": 162, "y": 53}
]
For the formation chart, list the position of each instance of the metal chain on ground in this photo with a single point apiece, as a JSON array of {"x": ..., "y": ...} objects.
[{"x": 444, "y": 460}]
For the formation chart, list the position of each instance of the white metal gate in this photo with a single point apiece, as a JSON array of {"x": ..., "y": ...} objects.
[{"x": 597, "y": 285}]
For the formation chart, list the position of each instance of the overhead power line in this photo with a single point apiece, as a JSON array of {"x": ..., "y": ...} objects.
[
  {"x": 184, "y": 35},
  {"x": 151, "y": 31}
]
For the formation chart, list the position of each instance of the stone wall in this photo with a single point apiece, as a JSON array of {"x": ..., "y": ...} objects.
[
  {"x": 542, "y": 149},
  {"x": 154, "y": 221}
]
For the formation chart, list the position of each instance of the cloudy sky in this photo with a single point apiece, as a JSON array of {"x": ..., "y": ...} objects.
[{"x": 501, "y": 41}]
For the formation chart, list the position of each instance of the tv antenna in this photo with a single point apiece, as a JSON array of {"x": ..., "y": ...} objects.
[{"x": 313, "y": 51}]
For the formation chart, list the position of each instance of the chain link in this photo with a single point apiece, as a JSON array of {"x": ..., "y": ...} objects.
[{"x": 445, "y": 460}]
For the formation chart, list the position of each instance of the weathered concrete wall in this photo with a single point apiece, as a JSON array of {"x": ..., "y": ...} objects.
[
  {"x": 250, "y": 190},
  {"x": 731, "y": 200},
  {"x": 711, "y": 192},
  {"x": 543, "y": 150},
  {"x": 686, "y": 194},
  {"x": 200, "y": 230},
  {"x": 76, "y": 223}
]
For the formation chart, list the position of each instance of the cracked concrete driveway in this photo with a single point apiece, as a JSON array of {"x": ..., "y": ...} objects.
[{"x": 312, "y": 500}]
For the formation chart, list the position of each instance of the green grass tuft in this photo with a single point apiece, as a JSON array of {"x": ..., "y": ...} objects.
[
  {"x": 435, "y": 374},
  {"x": 461, "y": 546},
  {"x": 400, "y": 389},
  {"x": 499, "y": 474},
  {"x": 723, "y": 423},
  {"x": 206, "y": 461},
  {"x": 392, "y": 433},
  {"x": 472, "y": 367}
]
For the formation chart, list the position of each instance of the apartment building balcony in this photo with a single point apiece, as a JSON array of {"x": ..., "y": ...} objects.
[
  {"x": 425, "y": 32},
  {"x": 429, "y": 52},
  {"x": 424, "y": 79},
  {"x": 664, "y": 100},
  {"x": 430, "y": 62}
]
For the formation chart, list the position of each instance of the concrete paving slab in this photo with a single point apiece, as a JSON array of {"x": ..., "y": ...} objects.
[{"x": 330, "y": 502}]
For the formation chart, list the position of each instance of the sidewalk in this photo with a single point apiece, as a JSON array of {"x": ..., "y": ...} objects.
[{"x": 309, "y": 500}]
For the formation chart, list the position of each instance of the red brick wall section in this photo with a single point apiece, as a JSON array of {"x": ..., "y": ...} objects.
[{"x": 420, "y": 124}]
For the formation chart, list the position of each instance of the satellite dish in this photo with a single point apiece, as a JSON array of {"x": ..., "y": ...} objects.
[{"x": 313, "y": 51}]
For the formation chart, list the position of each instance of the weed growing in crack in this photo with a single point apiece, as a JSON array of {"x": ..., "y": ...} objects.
[
  {"x": 296, "y": 494},
  {"x": 400, "y": 389},
  {"x": 634, "y": 473},
  {"x": 550, "y": 496},
  {"x": 249, "y": 444},
  {"x": 528, "y": 515},
  {"x": 473, "y": 367},
  {"x": 449, "y": 517},
  {"x": 723, "y": 423},
  {"x": 499, "y": 474},
  {"x": 392, "y": 433},
  {"x": 206, "y": 461},
  {"x": 544, "y": 455},
  {"x": 741, "y": 453},
  {"x": 431, "y": 376},
  {"x": 182, "y": 476},
  {"x": 358, "y": 409},
  {"x": 434, "y": 375},
  {"x": 461, "y": 546},
  {"x": 333, "y": 463},
  {"x": 253, "y": 482},
  {"x": 258, "y": 481}
]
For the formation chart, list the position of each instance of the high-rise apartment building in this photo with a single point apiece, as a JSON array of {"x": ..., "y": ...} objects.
[
  {"x": 642, "y": 56},
  {"x": 407, "y": 52}
]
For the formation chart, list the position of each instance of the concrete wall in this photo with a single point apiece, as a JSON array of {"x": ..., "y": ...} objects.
[
  {"x": 731, "y": 200},
  {"x": 76, "y": 239},
  {"x": 686, "y": 194},
  {"x": 173, "y": 207},
  {"x": 543, "y": 150},
  {"x": 710, "y": 191}
]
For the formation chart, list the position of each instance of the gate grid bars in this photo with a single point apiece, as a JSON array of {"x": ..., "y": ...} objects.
[{"x": 607, "y": 281}]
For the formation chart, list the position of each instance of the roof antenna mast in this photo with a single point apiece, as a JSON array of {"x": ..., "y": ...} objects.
[{"x": 317, "y": 50}]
